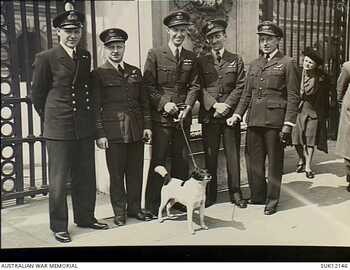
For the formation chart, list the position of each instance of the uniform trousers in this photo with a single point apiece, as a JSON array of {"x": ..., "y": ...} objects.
[
  {"x": 125, "y": 160},
  {"x": 166, "y": 141},
  {"x": 264, "y": 142},
  {"x": 231, "y": 141},
  {"x": 73, "y": 160}
]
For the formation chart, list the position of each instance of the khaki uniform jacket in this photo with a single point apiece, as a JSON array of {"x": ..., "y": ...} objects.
[
  {"x": 220, "y": 82},
  {"x": 169, "y": 81},
  {"x": 121, "y": 103},
  {"x": 271, "y": 92},
  {"x": 61, "y": 94}
]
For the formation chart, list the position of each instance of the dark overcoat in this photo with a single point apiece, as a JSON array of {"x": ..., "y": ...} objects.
[
  {"x": 122, "y": 103},
  {"x": 61, "y": 94}
]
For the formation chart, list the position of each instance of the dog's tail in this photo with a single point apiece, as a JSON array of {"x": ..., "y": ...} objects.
[{"x": 163, "y": 173}]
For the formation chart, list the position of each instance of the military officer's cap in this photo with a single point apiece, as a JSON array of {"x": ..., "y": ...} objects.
[
  {"x": 69, "y": 19},
  {"x": 269, "y": 28},
  {"x": 214, "y": 26},
  {"x": 112, "y": 35},
  {"x": 177, "y": 18},
  {"x": 314, "y": 54}
]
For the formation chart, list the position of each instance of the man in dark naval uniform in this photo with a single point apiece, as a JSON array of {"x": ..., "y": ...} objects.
[
  {"x": 61, "y": 96},
  {"x": 271, "y": 96},
  {"x": 170, "y": 77},
  {"x": 123, "y": 120},
  {"x": 222, "y": 81}
]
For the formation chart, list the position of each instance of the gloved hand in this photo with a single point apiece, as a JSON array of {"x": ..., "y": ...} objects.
[
  {"x": 221, "y": 109},
  {"x": 234, "y": 119},
  {"x": 285, "y": 135},
  {"x": 102, "y": 143},
  {"x": 171, "y": 108},
  {"x": 184, "y": 112}
]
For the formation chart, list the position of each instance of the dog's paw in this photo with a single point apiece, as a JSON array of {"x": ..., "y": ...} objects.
[{"x": 204, "y": 227}]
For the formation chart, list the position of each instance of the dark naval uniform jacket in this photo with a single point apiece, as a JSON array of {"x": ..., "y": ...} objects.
[
  {"x": 61, "y": 94},
  {"x": 122, "y": 103},
  {"x": 221, "y": 82},
  {"x": 169, "y": 81},
  {"x": 271, "y": 92}
]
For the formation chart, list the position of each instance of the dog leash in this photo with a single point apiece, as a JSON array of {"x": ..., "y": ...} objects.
[
  {"x": 188, "y": 144},
  {"x": 194, "y": 162}
]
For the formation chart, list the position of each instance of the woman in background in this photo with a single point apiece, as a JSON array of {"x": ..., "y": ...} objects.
[
  {"x": 343, "y": 96},
  {"x": 310, "y": 129}
]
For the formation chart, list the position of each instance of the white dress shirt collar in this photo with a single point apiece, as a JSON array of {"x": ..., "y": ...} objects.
[
  {"x": 115, "y": 65},
  {"x": 215, "y": 53},
  {"x": 172, "y": 47},
  {"x": 68, "y": 50},
  {"x": 272, "y": 54}
]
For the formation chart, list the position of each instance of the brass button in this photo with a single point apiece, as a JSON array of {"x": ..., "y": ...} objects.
[
  {"x": 74, "y": 109},
  {"x": 87, "y": 100},
  {"x": 73, "y": 102},
  {"x": 88, "y": 107},
  {"x": 85, "y": 85},
  {"x": 73, "y": 94},
  {"x": 220, "y": 77},
  {"x": 261, "y": 79},
  {"x": 72, "y": 86},
  {"x": 260, "y": 88},
  {"x": 87, "y": 92}
]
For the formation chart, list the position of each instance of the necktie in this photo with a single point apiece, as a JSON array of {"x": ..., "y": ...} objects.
[
  {"x": 267, "y": 56},
  {"x": 120, "y": 69},
  {"x": 218, "y": 56},
  {"x": 74, "y": 55},
  {"x": 177, "y": 55}
]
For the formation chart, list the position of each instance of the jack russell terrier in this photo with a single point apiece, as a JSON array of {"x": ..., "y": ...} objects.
[{"x": 190, "y": 193}]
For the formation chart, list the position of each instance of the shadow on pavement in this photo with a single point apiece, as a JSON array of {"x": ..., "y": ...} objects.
[
  {"x": 211, "y": 222},
  {"x": 301, "y": 193}
]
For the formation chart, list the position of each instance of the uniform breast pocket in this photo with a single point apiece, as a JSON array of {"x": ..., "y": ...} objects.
[
  {"x": 275, "y": 112},
  {"x": 230, "y": 76},
  {"x": 165, "y": 74},
  {"x": 276, "y": 79}
]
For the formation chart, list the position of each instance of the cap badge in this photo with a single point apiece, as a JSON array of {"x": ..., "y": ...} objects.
[
  {"x": 72, "y": 17},
  {"x": 210, "y": 25}
]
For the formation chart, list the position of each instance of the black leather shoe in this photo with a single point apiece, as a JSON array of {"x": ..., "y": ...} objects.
[
  {"x": 62, "y": 237},
  {"x": 240, "y": 203},
  {"x": 150, "y": 214},
  {"x": 140, "y": 216},
  {"x": 270, "y": 211},
  {"x": 96, "y": 226},
  {"x": 309, "y": 174},
  {"x": 119, "y": 220},
  {"x": 348, "y": 188}
]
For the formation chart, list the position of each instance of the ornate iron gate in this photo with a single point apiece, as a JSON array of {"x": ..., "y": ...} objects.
[
  {"x": 26, "y": 28},
  {"x": 318, "y": 23}
]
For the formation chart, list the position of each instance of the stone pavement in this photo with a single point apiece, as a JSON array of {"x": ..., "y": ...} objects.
[{"x": 312, "y": 212}]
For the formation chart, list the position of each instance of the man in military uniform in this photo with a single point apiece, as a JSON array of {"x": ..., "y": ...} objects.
[
  {"x": 222, "y": 81},
  {"x": 272, "y": 96},
  {"x": 61, "y": 96},
  {"x": 170, "y": 77},
  {"x": 123, "y": 120}
]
